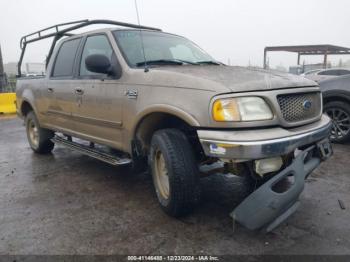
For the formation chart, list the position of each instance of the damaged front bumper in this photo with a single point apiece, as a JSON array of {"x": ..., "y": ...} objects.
[{"x": 266, "y": 208}]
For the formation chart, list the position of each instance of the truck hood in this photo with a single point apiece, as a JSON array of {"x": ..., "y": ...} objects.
[{"x": 229, "y": 78}]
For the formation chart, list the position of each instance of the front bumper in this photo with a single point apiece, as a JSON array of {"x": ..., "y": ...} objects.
[{"x": 246, "y": 145}]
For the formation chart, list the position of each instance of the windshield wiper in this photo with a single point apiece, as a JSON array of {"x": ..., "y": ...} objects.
[
  {"x": 209, "y": 62},
  {"x": 160, "y": 62},
  {"x": 175, "y": 62},
  {"x": 187, "y": 62},
  {"x": 165, "y": 61}
]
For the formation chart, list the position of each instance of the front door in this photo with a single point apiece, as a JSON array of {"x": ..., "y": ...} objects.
[{"x": 98, "y": 108}]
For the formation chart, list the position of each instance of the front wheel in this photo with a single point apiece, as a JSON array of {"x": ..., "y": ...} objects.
[
  {"x": 339, "y": 112},
  {"x": 174, "y": 171},
  {"x": 39, "y": 138}
]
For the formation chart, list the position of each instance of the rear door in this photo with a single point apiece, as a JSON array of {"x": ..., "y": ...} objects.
[
  {"x": 60, "y": 87},
  {"x": 98, "y": 110}
]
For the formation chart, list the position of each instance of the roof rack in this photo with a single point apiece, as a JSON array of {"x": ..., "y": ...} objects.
[{"x": 59, "y": 33}]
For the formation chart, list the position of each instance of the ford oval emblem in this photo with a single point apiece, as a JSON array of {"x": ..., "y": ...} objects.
[{"x": 307, "y": 104}]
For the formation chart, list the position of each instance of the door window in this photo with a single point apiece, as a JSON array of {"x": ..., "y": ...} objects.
[
  {"x": 94, "y": 45},
  {"x": 64, "y": 63}
]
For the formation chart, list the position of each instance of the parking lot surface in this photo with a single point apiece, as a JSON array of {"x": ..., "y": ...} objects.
[{"x": 68, "y": 203}]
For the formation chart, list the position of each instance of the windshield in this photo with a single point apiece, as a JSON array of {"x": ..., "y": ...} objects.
[{"x": 159, "y": 47}]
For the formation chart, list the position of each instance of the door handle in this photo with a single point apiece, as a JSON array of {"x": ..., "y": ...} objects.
[
  {"x": 50, "y": 89},
  {"x": 79, "y": 91}
]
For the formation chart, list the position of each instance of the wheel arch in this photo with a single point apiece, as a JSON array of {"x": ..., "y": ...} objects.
[
  {"x": 336, "y": 95},
  {"x": 26, "y": 107},
  {"x": 160, "y": 117},
  {"x": 26, "y": 102}
]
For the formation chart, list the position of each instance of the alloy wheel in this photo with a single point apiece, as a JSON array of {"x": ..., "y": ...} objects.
[{"x": 340, "y": 123}]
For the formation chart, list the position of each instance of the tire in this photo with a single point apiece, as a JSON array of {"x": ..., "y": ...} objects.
[
  {"x": 39, "y": 138},
  {"x": 182, "y": 172},
  {"x": 339, "y": 112}
]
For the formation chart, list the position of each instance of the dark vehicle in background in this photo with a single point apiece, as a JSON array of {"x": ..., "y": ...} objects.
[
  {"x": 336, "y": 100},
  {"x": 324, "y": 74}
]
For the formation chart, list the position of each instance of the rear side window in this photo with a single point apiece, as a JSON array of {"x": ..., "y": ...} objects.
[{"x": 65, "y": 58}]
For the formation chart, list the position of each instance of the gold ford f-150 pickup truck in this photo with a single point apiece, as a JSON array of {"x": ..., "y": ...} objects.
[{"x": 140, "y": 97}]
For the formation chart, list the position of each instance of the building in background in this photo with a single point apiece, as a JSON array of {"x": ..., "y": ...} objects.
[
  {"x": 35, "y": 68},
  {"x": 10, "y": 69},
  {"x": 309, "y": 67},
  {"x": 347, "y": 63},
  {"x": 308, "y": 50}
]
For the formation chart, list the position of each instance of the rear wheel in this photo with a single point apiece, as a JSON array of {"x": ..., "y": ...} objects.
[
  {"x": 339, "y": 112},
  {"x": 174, "y": 171},
  {"x": 39, "y": 138}
]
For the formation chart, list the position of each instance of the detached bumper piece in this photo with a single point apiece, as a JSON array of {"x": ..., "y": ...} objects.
[{"x": 265, "y": 208}]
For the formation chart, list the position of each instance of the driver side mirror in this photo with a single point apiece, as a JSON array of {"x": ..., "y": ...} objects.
[{"x": 98, "y": 64}]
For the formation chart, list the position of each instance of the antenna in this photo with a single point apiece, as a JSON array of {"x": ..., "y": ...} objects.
[{"x": 141, "y": 36}]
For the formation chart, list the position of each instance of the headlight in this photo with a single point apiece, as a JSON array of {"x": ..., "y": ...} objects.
[{"x": 241, "y": 109}]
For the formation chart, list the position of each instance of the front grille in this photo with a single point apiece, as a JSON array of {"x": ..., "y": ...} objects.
[{"x": 300, "y": 107}]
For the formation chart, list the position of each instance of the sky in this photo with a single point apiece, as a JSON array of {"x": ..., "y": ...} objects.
[{"x": 234, "y": 31}]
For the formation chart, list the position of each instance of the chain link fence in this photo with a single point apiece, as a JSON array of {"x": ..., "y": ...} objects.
[{"x": 10, "y": 87}]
